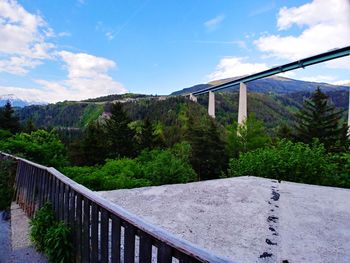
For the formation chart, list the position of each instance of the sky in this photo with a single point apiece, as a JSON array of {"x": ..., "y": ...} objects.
[{"x": 77, "y": 49}]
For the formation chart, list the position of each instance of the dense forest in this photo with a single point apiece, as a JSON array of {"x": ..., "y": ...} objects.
[{"x": 133, "y": 141}]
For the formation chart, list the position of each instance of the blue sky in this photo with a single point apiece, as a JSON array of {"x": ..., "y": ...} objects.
[{"x": 70, "y": 50}]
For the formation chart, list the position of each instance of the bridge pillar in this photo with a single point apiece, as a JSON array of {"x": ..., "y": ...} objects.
[
  {"x": 242, "y": 104},
  {"x": 193, "y": 98},
  {"x": 211, "y": 104}
]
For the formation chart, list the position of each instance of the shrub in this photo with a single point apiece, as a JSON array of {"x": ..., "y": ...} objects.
[
  {"x": 39, "y": 226},
  {"x": 7, "y": 177},
  {"x": 163, "y": 167},
  {"x": 39, "y": 146},
  {"x": 153, "y": 167},
  {"x": 50, "y": 236},
  {"x": 58, "y": 246},
  {"x": 297, "y": 162}
]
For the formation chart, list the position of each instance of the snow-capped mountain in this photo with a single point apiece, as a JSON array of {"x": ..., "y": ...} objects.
[{"x": 18, "y": 102}]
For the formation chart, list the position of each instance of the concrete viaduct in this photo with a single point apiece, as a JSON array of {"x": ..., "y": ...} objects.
[{"x": 242, "y": 108}]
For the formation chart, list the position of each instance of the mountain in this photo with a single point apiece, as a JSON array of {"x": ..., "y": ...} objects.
[
  {"x": 17, "y": 102},
  {"x": 274, "y": 84},
  {"x": 273, "y": 100}
]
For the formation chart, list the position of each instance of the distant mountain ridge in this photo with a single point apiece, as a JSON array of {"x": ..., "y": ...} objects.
[
  {"x": 275, "y": 84},
  {"x": 16, "y": 101}
]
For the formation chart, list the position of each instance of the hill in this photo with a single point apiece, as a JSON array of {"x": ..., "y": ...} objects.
[
  {"x": 273, "y": 100},
  {"x": 274, "y": 84}
]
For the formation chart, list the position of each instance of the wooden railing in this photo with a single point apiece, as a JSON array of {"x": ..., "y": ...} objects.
[{"x": 102, "y": 231}]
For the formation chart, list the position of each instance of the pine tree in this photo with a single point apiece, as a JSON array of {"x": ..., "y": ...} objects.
[
  {"x": 8, "y": 120},
  {"x": 208, "y": 155},
  {"x": 120, "y": 138},
  {"x": 94, "y": 144},
  {"x": 318, "y": 119}
]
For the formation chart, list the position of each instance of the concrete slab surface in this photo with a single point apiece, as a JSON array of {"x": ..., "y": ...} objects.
[{"x": 249, "y": 219}]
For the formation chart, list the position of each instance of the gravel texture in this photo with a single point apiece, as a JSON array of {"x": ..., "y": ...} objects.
[
  {"x": 22, "y": 250},
  {"x": 249, "y": 219}
]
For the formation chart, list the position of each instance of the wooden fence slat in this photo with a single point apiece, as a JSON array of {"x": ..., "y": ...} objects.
[
  {"x": 66, "y": 203},
  {"x": 164, "y": 253},
  {"x": 115, "y": 239},
  {"x": 129, "y": 243},
  {"x": 145, "y": 253},
  {"x": 86, "y": 231},
  {"x": 78, "y": 228},
  {"x": 104, "y": 235},
  {"x": 57, "y": 196},
  {"x": 94, "y": 233}
]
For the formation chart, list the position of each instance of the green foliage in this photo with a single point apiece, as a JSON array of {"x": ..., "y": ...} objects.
[
  {"x": 61, "y": 114},
  {"x": 39, "y": 226},
  {"x": 8, "y": 120},
  {"x": 297, "y": 162},
  {"x": 120, "y": 138},
  {"x": 246, "y": 137},
  {"x": 7, "y": 177},
  {"x": 163, "y": 167},
  {"x": 90, "y": 114},
  {"x": 208, "y": 154},
  {"x": 319, "y": 119},
  {"x": 152, "y": 167},
  {"x": 39, "y": 146},
  {"x": 58, "y": 244},
  {"x": 50, "y": 236},
  {"x": 115, "y": 174}
]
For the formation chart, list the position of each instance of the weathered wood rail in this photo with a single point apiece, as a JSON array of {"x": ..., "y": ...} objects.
[{"x": 102, "y": 231}]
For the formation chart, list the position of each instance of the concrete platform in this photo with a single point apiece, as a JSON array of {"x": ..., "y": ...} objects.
[{"x": 249, "y": 219}]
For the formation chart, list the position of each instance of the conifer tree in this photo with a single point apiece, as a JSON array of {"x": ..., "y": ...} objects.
[
  {"x": 318, "y": 119},
  {"x": 8, "y": 120},
  {"x": 120, "y": 138},
  {"x": 208, "y": 154}
]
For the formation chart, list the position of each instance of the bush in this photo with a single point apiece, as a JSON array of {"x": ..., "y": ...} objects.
[
  {"x": 50, "y": 236},
  {"x": 154, "y": 167},
  {"x": 59, "y": 248},
  {"x": 39, "y": 146},
  {"x": 163, "y": 167},
  {"x": 297, "y": 162},
  {"x": 39, "y": 226},
  {"x": 7, "y": 177}
]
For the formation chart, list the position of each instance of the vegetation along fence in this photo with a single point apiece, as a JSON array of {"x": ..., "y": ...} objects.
[{"x": 102, "y": 231}]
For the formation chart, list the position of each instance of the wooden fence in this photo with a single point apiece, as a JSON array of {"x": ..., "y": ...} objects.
[{"x": 102, "y": 231}]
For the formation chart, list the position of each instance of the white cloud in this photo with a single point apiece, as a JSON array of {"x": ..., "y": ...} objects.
[
  {"x": 213, "y": 23},
  {"x": 319, "y": 78},
  {"x": 87, "y": 78},
  {"x": 325, "y": 25},
  {"x": 235, "y": 66},
  {"x": 23, "y": 38},
  {"x": 342, "y": 82}
]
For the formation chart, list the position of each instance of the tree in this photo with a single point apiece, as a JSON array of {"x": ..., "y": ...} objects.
[
  {"x": 319, "y": 119},
  {"x": 93, "y": 145},
  {"x": 208, "y": 154},
  {"x": 248, "y": 136},
  {"x": 8, "y": 120},
  {"x": 40, "y": 146},
  {"x": 120, "y": 137}
]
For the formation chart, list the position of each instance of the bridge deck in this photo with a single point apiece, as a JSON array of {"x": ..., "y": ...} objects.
[{"x": 250, "y": 219}]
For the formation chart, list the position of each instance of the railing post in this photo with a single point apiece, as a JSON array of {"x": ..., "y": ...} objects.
[{"x": 242, "y": 104}]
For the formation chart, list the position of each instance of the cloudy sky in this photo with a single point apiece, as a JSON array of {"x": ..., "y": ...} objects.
[{"x": 70, "y": 50}]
